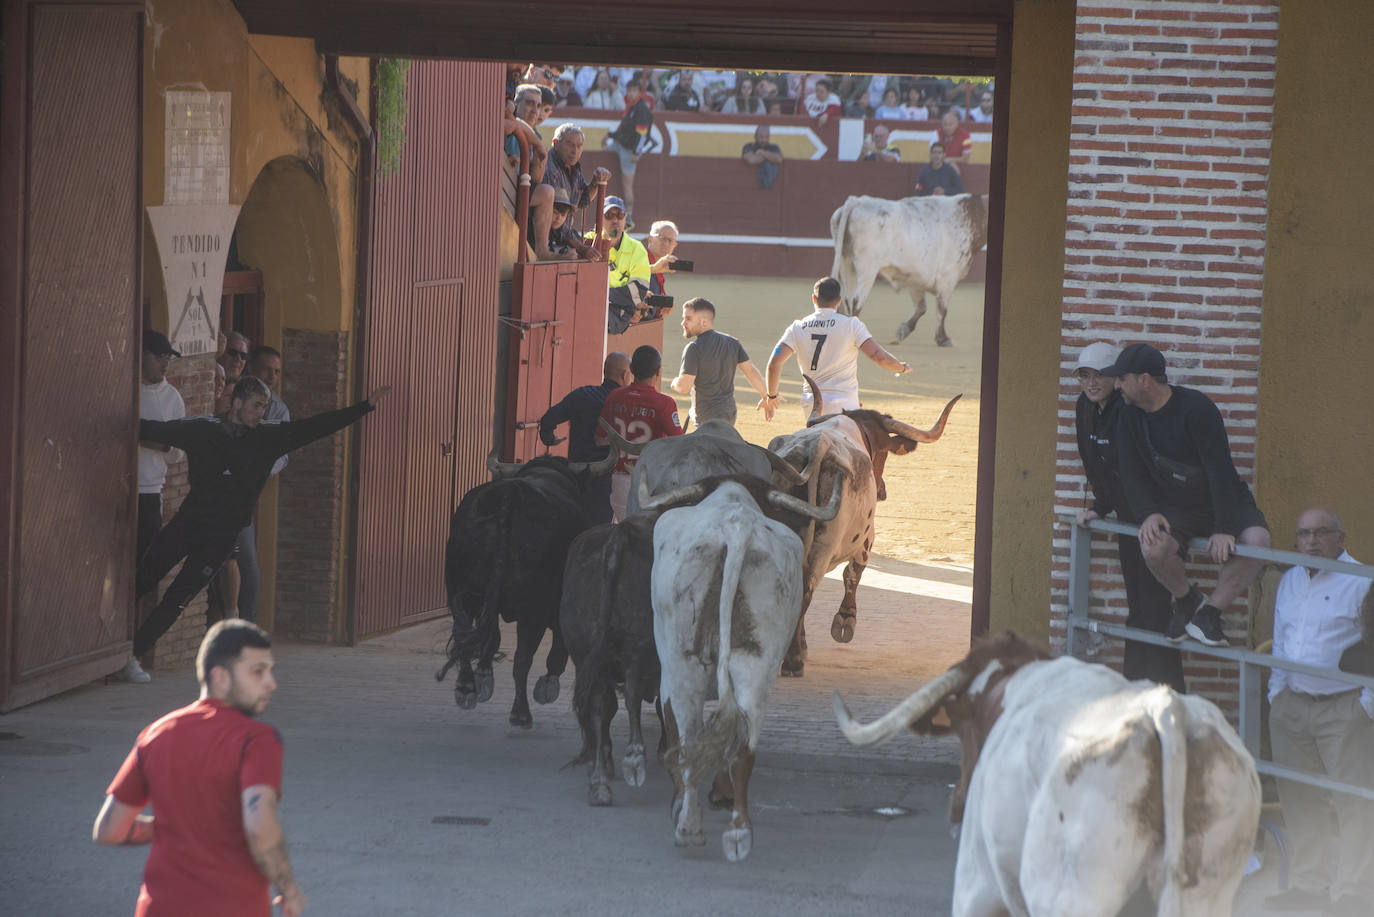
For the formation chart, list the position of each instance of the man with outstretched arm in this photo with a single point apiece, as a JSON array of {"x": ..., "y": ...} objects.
[
  {"x": 827, "y": 345},
  {"x": 213, "y": 775},
  {"x": 230, "y": 460}
]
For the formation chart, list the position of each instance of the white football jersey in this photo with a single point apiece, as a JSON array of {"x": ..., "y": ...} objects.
[{"x": 827, "y": 347}]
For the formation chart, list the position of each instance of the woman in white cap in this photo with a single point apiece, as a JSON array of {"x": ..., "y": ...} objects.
[{"x": 1148, "y": 604}]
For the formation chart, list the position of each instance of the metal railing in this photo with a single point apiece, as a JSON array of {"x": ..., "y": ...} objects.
[{"x": 1250, "y": 663}]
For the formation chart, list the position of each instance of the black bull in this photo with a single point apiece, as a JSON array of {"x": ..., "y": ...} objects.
[
  {"x": 607, "y": 620},
  {"x": 506, "y": 545}
]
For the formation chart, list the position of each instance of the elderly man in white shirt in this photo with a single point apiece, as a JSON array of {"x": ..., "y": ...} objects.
[{"x": 1323, "y": 727}]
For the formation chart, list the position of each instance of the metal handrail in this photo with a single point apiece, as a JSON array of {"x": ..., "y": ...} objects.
[{"x": 1249, "y": 662}]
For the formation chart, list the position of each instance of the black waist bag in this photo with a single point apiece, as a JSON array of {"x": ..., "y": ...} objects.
[{"x": 1189, "y": 481}]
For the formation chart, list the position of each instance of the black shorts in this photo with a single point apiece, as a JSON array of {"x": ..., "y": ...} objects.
[{"x": 1187, "y": 523}]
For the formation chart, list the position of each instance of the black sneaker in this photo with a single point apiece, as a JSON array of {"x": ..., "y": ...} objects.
[
  {"x": 1177, "y": 631},
  {"x": 1206, "y": 627}
]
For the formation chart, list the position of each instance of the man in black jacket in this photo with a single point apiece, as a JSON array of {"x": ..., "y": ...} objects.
[
  {"x": 230, "y": 461},
  {"x": 1148, "y": 604},
  {"x": 1180, "y": 481}
]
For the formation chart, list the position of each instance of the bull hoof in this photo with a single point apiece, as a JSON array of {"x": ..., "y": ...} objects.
[
  {"x": 944, "y": 341},
  {"x": 466, "y": 700},
  {"x": 486, "y": 684},
  {"x": 521, "y": 719},
  {"x": 903, "y": 331},
  {"x": 632, "y": 765},
  {"x": 546, "y": 689},
  {"x": 792, "y": 668},
  {"x": 737, "y": 842},
  {"x": 695, "y": 838},
  {"x": 842, "y": 628},
  {"x": 599, "y": 794}
]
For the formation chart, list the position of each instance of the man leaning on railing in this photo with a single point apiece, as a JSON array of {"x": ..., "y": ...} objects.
[{"x": 1322, "y": 727}]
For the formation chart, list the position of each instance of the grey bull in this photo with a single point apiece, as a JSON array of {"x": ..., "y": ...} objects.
[{"x": 917, "y": 244}]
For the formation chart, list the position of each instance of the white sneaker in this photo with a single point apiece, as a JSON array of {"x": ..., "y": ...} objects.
[{"x": 133, "y": 672}]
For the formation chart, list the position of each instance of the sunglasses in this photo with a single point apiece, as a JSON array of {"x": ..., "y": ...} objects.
[{"x": 231, "y": 352}]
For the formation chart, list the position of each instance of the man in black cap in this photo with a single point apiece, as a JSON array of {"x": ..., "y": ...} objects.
[{"x": 1179, "y": 479}]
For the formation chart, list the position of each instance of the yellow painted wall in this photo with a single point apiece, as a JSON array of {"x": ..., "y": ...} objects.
[
  {"x": 1032, "y": 279},
  {"x": 280, "y": 108},
  {"x": 1316, "y": 427}
]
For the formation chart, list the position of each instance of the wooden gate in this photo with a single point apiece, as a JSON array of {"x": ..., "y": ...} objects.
[{"x": 70, "y": 262}]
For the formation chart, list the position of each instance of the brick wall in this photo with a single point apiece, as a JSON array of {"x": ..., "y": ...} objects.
[
  {"x": 310, "y": 506},
  {"x": 1167, "y": 202},
  {"x": 194, "y": 377}
]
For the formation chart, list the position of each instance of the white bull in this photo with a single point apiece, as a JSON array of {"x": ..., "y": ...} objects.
[
  {"x": 726, "y": 587},
  {"x": 1081, "y": 785},
  {"x": 917, "y": 244}
]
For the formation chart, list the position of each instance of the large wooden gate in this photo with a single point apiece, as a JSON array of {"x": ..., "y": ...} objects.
[
  {"x": 70, "y": 257},
  {"x": 430, "y": 333}
]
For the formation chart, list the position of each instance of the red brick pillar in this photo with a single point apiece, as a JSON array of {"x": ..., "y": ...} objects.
[{"x": 1168, "y": 166}]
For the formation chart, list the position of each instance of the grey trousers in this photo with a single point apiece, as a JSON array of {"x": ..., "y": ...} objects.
[{"x": 1330, "y": 835}]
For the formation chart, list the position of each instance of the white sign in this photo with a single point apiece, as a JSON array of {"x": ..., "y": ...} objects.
[
  {"x": 196, "y": 169},
  {"x": 193, "y": 243}
]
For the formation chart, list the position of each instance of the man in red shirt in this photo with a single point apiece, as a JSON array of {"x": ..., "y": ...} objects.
[
  {"x": 639, "y": 412},
  {"x": 213, "y": 775},
  {"x": 957, "y": 142}
]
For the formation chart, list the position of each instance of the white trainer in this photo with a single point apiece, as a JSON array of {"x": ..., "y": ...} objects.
[{"x": 133, "y": 672}]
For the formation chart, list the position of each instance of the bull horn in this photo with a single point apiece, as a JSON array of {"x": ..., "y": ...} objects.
[
  {"x": 801, "y": 507},
  {"x": 601, "y": 466},
  {"x": 500, "y": 469},
  {"x": 822, "y": 418},
  {"x": 921, "y": 436},
  {"x": 816, "y": 402},
  {"x": 784, "y": 468},
  {"x": 623, "y": 445},
  {"x": 899, "y": 717},
  {"x": 689, "y": 494}
]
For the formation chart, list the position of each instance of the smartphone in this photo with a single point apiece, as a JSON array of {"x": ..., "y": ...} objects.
[
  {"x": 659, "y": 302},
  {"x": 684, "y": 266}
]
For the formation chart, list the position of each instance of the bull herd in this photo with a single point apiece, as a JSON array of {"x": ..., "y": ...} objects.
[{"x": 700, "y": 594}]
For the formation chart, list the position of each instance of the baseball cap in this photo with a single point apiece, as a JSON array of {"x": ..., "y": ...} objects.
[
  {"x": 614, "y": 203},
  {"x": 1098, "y": 356},
  {"x": 156, "y": 343},
  {"x": 1137, "y": 358}
]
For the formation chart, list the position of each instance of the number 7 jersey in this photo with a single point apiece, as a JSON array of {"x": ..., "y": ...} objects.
[{"x": 827, "y": 347}]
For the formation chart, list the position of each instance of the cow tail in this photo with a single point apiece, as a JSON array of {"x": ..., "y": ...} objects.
[
  {"x": 839, "y": 225},
  {"x": 589, "y": 672},
  {"x": 727, "y": 729},
  {"x": 482, "y": 638},
  {"x": 1171, "y": 725}
]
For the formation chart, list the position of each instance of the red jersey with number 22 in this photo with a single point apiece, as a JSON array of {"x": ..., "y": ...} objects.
[{"x": 639, "y": 413}]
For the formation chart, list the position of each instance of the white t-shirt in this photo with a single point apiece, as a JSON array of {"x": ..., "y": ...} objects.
[
  {"x": 160, "y": 401},
  {"x": 815, "y": 107},
  {"x": 827, "y": 347}
]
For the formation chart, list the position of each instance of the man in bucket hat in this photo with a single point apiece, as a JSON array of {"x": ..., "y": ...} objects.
[{"x": 1180, "y": 482}]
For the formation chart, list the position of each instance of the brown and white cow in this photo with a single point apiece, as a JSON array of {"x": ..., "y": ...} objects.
[
  {"x": 917, "y": 244},
  {"x": 849, "y": 448},
  {"x": 1077, "y": 786}
]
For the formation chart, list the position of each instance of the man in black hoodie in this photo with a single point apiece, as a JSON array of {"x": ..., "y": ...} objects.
[
  {"x": 1181, "y": 483},
  {"x": 230, "y": 460}
]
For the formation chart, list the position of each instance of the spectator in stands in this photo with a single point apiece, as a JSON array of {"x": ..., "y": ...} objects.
[
  {"x": 528, "y": 116},
  {"x": 564, "y": 170},
  {"x": 709, "y": 362},
  {"x": 683, "y": 96},
  {"x": 546, "y": 103},
  {"x": 660, "y": 243},
  {"x": 852, "y": 91},
  {"x": 744, "y": 101},
  {"x": 877, "y": 90},
  {"x": 822, "y": 104},
  {"x": 766, "y": 157},
  {"x": 581, "y": 409},
  {"x": 565, "y": 95},
  {"x": 767, "y": 88},
  {"x": 584, "y": 79},
  {"x": 879, "y": 148},
  {"x": 938, "y": 177},
  {"x": 629, "y": 276},
  {"x": 715, "y": 87},
  {"x": 915, "y": 107},
  {"x": 540, "y": 75},
  {"x": 604, "y": 94},
  {"x": 982, "y": 112},
  {"x": 158, "y": 400},
  {"x": 235, "y": 354},
  {"x": 564, "y": 240},
  {"x": 630, "y": 140},
  {"x": 1322, "y": 727},
  {"x": 1148, "y": 604},
  {"x": 955, "y": 139},
  {"x": 640, "y": 413},
  {"x": 890, "y": 108},
  {"x": 1181, "y": 483}
]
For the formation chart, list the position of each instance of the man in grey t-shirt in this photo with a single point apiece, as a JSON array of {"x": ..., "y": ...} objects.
[{"x": 709, "y": 362}]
